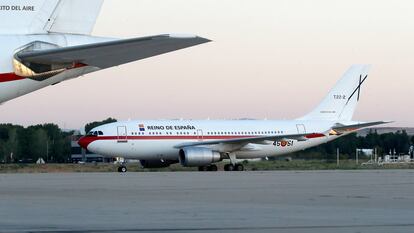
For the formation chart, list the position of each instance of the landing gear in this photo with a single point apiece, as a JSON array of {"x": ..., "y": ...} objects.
[
  {"x": 239, "y": 167},
  {"x": 209, "y": 168},
  {"x": 231, "y": 167},
  {"x": 213, "y": 168},
  {"x": 122, "y": 169},
  {"x": 202, "y": 168},
  {"x": 228, "y": 167}
]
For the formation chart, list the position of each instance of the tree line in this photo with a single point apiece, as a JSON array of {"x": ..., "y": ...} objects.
[{"x": 48, "y": 141}]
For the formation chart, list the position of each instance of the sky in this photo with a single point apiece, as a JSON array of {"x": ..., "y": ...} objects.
[{"x": 268, "y": 60}]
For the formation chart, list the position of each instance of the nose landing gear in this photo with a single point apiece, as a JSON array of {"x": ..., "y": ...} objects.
[{"x": 122, "y": 169}]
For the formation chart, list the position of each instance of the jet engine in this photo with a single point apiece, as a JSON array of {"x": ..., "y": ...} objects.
[
  {"x": 198, "y": 156},
  {"x": 156, "y": 163}
]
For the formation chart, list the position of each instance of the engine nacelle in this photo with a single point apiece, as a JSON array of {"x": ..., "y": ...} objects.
[
  {"x": 198, "y": 156},
  {"x": 156, "y": 163}
]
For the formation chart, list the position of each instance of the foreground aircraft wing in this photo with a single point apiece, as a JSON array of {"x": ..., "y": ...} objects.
[
  {"x": 257, "y": 140},
  {"x": 340, "y": 129},
  {"x": 112, "y": 53}
]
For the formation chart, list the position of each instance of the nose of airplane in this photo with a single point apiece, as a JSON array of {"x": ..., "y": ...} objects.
[{"x": 84, "y": 142}]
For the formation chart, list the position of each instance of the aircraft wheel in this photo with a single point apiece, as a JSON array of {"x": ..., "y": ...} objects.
[
  {"x": 212, "y": 168},
  {"x": 229, "y": 167},
  {"x": 122, "y": 169},
  {"x": 202, "y": 169},
  {"x": 239, "y": 167}
]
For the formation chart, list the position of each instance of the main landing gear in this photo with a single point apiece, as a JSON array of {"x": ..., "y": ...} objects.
[
  {"x": 231, "y": 167},
  {"x": 227, "y": 167},
  {"x": 209, "y": 168}
]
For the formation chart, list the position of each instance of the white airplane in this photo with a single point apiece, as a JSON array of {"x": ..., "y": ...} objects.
[
  {"x": 203, "y": 143},
  {"x": 45, "y": 42}
]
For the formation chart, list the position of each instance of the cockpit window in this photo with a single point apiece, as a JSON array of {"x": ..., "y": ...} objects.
[{"x": 95, "y": 133}]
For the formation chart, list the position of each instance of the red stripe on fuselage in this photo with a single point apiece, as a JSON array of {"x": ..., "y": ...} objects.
[{"x": 8, "y": 77}]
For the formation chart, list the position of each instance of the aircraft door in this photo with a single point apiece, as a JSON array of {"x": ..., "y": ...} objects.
[
  {"x": 200, "y": 135},
  {"x": 301, "y": 128},
  {"x": 122, "y": 134}
]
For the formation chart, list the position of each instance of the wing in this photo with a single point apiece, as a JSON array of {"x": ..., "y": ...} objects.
[
  {"x": 341, "y": 129},
  {"x": 255, "y": 140},
  {"x": 113, "y": 53}
]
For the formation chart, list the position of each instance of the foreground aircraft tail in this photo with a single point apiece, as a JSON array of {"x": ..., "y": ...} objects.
[
  {"x": 49, "y": 16},
  {"x": 340, "y": 103}
]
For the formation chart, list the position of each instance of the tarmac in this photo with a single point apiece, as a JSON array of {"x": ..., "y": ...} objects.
[{"x": 281, "y": 201}]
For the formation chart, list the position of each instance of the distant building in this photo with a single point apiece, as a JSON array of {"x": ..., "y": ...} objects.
[
  {"x": 79, "y": 154},
  {"x": 384, "y": 130},
  {"x": 366, "y": 152}
]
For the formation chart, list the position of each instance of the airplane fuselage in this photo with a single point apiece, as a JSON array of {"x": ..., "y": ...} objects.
[{"x": 158, "y": 140}]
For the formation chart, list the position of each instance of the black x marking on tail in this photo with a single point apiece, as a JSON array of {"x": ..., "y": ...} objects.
[{"x": 358, "y": 89}]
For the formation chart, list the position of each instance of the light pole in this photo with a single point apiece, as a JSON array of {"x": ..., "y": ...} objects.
[
  {"x": 356, "y": 156},
  {"x": 47, "y": 150},
  {"x": 337, "y": 157}
]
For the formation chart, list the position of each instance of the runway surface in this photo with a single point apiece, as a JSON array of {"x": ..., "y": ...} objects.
[{"x": 315, "y": 201}]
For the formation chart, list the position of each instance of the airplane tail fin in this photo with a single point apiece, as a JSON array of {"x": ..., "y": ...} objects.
[
  {"x": 74, "y": 16},
  {"x": 49, "y": 16},
  {"x": 342, "y": 100}
]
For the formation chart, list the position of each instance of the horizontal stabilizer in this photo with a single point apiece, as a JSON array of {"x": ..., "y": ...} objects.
[
  {"x": 350, "y": 128},
  {"x": 113, "y": 53}
]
